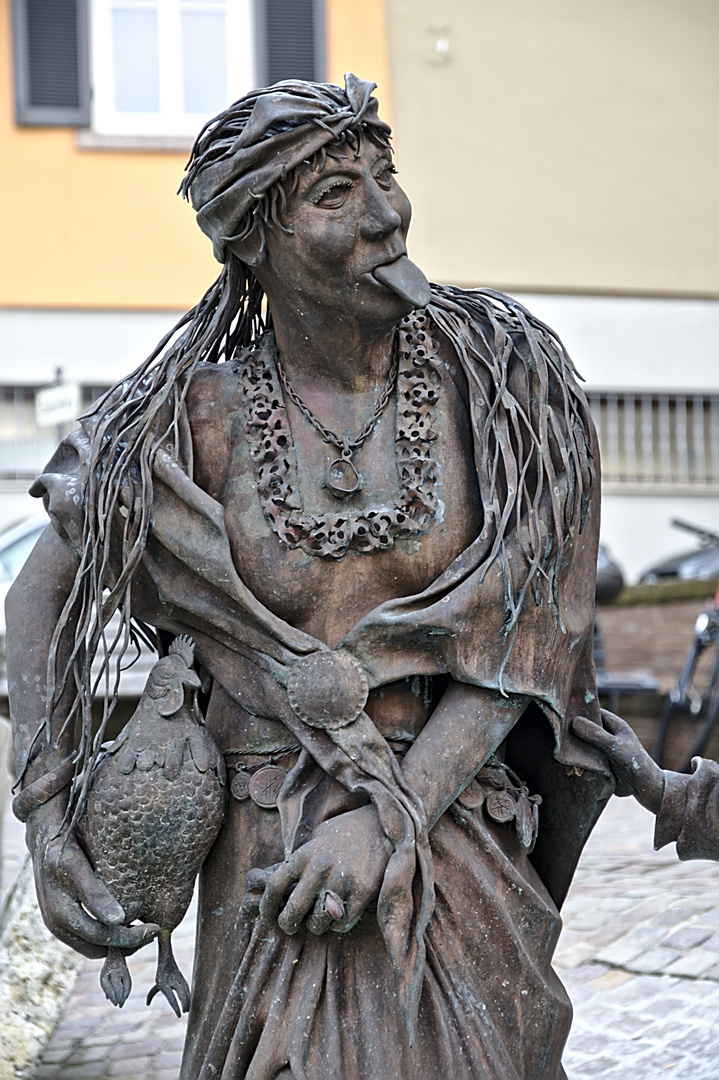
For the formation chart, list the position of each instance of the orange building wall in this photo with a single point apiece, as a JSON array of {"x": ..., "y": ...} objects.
[
  {"x": 357, "y": 41},
  {"x": 103, "y": 228}
]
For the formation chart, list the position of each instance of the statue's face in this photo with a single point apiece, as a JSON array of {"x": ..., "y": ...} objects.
[{"x": 346, "y": 219}]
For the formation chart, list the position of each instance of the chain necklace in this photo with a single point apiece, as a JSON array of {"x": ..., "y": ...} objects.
[
  {"x": 341, "y": 477},
  {"x": 364, "y": 529}
]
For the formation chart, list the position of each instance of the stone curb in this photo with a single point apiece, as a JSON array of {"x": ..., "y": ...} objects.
[{"x": 37, "y": 974}]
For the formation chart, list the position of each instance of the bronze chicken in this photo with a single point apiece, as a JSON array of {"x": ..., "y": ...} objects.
[{"x": 154, "y": 809}]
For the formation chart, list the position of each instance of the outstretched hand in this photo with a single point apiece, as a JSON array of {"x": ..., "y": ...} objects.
[
  {"x": 635, "y": 771},
  {"x": 330, "y": 880},
  {"x": 75, "y": 904}
]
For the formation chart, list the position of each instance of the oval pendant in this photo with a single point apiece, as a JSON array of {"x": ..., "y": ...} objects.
[
  {"x": 240, "y": 786},
  {"x": 342, "y": 479}
]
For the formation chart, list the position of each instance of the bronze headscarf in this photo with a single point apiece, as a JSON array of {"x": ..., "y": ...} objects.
[{"x": 241, "y": 153}]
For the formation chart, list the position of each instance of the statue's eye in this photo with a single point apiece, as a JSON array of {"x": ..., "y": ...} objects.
[
  {"x": 384, "y": 175},
  {"x": 332, "y": 195}
]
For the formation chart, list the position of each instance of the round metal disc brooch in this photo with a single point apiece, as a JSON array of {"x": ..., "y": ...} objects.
[{"x": 328, "y": 690}]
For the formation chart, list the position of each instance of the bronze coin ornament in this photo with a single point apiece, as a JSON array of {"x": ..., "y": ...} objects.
[
  {"x": 328, "y": 689},
  {"x": 240, "y": 785},
  {"x": 501, "y": 807},
  {"x": 265, "y": 786},
  {"x": 472, "y": 797}
]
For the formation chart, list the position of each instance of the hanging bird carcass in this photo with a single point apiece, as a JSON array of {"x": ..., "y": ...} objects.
[{"x": 154, "y": 809}]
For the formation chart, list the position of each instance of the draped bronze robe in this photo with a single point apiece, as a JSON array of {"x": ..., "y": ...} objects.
[{"x": 449, "y": 974}]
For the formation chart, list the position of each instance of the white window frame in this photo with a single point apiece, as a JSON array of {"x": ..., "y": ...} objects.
[
  {"x": 657, "y": 441},
  {"x": 170, "y": 120}
]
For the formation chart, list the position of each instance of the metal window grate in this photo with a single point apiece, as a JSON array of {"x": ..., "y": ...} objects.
[
  {"x": 290, "y": 40},
  {"x": 52, "y": 52},
  {"x": 51, "y": 62},
  {"x": 658, "y": 440}
]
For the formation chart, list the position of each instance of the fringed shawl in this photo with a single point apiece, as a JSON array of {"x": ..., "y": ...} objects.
[{"x": 513, "y": 612}]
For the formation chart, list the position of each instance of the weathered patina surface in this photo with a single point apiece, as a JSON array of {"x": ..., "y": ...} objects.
[{"x": 374, "y": 508}]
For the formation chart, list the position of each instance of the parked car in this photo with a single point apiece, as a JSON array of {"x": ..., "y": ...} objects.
[
  {"x": 610, "y": 579},
  {"x": 697, "y": 565},
  {"x": 16, "y": 543}
]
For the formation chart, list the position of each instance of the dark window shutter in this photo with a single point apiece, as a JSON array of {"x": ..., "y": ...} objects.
[
  {"x": 290, "y": 40},
  {"x": 50, "y": 48}
]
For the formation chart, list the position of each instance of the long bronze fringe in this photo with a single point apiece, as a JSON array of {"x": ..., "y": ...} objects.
[{"x": 125, "y": 436}]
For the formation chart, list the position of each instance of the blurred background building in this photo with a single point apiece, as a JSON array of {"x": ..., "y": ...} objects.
[{"x": 563, "y": 151}]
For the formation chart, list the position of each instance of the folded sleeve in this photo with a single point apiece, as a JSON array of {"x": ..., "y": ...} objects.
[{"x": 689, "y": 813}]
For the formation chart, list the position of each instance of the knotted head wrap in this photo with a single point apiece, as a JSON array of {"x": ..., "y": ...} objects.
[{"x": 260, "y": 139}]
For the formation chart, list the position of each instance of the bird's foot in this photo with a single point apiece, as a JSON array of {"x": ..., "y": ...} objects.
[
  {"x": 115, "y": 978},
  {"x": 170, "y": 981}
]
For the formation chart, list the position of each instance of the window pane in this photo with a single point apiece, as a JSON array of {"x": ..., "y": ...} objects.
[
  {"x": 204, "y": 62},
  {"x": 137, "y": 84},
  {"x": 23, "y": 450}
]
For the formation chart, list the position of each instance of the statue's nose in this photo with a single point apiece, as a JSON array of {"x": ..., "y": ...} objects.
[{"x": 380, "y": 219}]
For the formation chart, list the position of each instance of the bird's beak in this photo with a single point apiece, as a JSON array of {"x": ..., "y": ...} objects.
[{"x": 192, "y": 679}]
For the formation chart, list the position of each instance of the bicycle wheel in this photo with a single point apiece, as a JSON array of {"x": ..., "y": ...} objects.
[{"x": 691, "y": 712}]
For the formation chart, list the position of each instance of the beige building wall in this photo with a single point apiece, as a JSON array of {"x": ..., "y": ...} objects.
[
  {"x": 562, "y": 145},
  {"x": 356, "y": 36}
]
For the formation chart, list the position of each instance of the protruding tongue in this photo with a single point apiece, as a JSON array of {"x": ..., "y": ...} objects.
[{"x": 406, "y": 279}]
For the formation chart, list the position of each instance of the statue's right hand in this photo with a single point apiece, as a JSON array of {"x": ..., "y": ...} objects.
[
  {"x": 75, "y": 905},
  {"x": 636, "y": 772}
]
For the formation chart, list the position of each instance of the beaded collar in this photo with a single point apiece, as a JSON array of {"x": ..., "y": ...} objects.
[{"x": 270, "y": 439}]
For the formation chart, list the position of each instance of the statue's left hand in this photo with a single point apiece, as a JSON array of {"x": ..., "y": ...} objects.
[
  {"x": 346, "y": 857},
  {"x": 76, "y": 906}
]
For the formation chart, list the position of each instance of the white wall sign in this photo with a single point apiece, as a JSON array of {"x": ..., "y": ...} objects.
[{"x": 58, "y": 404}]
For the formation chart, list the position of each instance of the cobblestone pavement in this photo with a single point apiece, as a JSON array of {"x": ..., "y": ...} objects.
[
  {"x": 94, "y": 1039},
  {"x": 639, "y": 956}
]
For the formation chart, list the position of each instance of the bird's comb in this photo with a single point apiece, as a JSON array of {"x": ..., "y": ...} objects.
[{"x": 184, "y": 647}]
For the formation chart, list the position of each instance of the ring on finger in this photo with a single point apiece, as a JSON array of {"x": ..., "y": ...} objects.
[{"x": 333, "y": 905}]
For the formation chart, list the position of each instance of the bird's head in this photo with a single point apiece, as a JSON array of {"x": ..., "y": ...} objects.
[{"x": 171, "y": 676}]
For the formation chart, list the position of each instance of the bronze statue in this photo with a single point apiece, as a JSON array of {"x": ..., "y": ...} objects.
[{"x": 373, "y": 505}]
